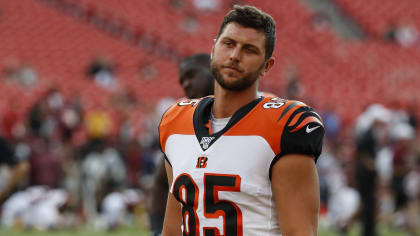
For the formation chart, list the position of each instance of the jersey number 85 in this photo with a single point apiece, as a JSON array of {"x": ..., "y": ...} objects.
[{"x": 186, "y": 191}]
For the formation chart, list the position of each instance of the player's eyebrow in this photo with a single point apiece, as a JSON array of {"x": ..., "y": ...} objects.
[
  {"x": 226, "y": 38},
  {"x": 246, "y": 45},
  {"x": 252, "y": 47}
]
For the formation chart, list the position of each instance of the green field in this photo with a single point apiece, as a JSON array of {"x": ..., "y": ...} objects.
[
  {"x": 82, "y": 232},
  {"x": 136, "y": 231}
]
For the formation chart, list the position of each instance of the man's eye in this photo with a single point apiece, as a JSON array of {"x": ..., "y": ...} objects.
[
  {"x": 228, "y": 43},
  {"x": 249, "y": 50}
]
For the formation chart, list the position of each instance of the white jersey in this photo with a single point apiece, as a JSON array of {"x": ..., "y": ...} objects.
[{"x": 223, "y": 179}]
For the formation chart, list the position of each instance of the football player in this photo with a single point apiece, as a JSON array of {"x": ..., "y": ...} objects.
[
  {"x": 238, "y": 163},
  {"x": 197, "y": 81}
]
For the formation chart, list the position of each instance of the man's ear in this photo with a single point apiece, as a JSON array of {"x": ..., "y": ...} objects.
[
  {"x": 212, "y": 51},
  {"x": 212, "y": 48},
  {"x": 267, "y": 66}
]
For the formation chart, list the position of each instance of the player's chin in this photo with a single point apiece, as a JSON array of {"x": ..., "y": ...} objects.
[
  {"x": 190, "y": 94},
  {"x": 232, "y": 73},
  {"x": 230, "y": 83},
  {"x": 233, "y": 85},
  {"x": 231, "y": 76}
]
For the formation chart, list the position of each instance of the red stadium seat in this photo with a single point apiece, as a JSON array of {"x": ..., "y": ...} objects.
[{"x": 60, "y": 46}]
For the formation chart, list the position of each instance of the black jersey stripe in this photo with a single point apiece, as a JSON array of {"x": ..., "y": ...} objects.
[
  {"x": 288, "y": 108},
  {"x": 307, "y": 111}
]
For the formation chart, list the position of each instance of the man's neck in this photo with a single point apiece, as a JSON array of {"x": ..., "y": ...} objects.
[{"x": 227, "y": 102}]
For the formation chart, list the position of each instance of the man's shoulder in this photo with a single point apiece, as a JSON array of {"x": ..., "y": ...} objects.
[
  {"x": 290, "y": 113},
  {"x": 281, "y": 109},
  {"x": 179, "y": 116},
  {"x": 178, "y": 119},
  {"x": 302, "y": 129},
  {"x": 182, "y": 108}
]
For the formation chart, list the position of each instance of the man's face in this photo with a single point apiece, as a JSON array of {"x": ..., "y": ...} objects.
[
  {"x": 238, "y": 57},
  {"x": 195, "y": 81}
]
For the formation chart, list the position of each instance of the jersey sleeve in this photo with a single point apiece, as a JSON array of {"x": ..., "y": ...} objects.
[
  {"x": 163, "y": 130},
  {"x": 303, "y": 133},
  {"x": 177, "y": 119}
]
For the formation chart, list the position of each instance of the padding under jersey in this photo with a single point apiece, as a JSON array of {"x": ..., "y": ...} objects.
[{"x": 223, "y": 179}]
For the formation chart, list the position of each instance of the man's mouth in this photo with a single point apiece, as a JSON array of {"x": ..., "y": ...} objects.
[{"x": 232, "y": 68}]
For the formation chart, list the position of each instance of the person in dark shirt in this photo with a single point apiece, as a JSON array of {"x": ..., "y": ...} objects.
[
  {"x": 18, "y": 168},
  {"x": 367, "y": 146},
  {"x": 197, "y": 81}
]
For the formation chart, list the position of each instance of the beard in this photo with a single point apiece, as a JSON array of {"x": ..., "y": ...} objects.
[{"x": 240, "y": 83}]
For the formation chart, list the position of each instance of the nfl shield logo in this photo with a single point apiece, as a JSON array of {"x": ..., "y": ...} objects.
[{"x": 205, "y": 142}]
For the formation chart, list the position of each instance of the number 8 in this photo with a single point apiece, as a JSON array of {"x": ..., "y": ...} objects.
[{"x": 273, "y": 105}]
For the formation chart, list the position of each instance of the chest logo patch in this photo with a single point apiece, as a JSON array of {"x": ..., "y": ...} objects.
[
  {"x": 201, "y": 162},
  {"x": 205, "y": 142}
]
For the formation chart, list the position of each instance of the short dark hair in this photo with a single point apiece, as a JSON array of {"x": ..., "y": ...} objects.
[
  {"x": 252, "y": 17},
  {"x": 201, "y": 59}
]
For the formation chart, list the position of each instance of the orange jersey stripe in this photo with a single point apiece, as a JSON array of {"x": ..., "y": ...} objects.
[
  {"x": 260, "y": 122},
  {"x": 295, "y": 119}
]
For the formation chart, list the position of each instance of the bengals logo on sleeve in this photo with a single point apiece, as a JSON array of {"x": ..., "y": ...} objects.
[{"x": 304, "y": 133}]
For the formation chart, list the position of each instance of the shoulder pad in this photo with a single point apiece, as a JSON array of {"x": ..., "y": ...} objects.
[{"x": 178, "y": 119}]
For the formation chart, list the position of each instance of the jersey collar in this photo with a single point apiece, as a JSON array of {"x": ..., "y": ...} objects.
[{"x": 202, "y": 117}]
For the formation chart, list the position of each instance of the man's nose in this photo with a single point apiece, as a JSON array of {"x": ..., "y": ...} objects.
[{"x": 235, "y": 54}]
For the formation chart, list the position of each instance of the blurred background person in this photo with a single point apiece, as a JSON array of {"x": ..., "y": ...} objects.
[
  {"x": 17, "y": 170},
  {"x": 340, "y": 201},
  {"x": 412, "y": 189},
  {"x": 370, "y": 139},
  {"x": 197, "y": 81},
  {"x": 403, "y": 136}
]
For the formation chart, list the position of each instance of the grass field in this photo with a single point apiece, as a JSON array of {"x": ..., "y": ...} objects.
[{"x": 136, "y": 231}]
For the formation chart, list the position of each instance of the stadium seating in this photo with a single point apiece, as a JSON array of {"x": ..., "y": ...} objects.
[
  {"x": 59, "y": 38},
  {"x": 376, "y": 16},
  {"x": 60, "y": 48}
]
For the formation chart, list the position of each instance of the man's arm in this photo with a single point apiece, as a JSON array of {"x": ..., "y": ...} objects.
[
  {"x": 296, "y": 193},
  {"x": 156, "y": 202},
  {"x": 173, "y": 221}
]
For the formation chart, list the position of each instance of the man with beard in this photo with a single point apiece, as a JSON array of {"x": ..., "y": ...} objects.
[{"x": 238, "y": 163}]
